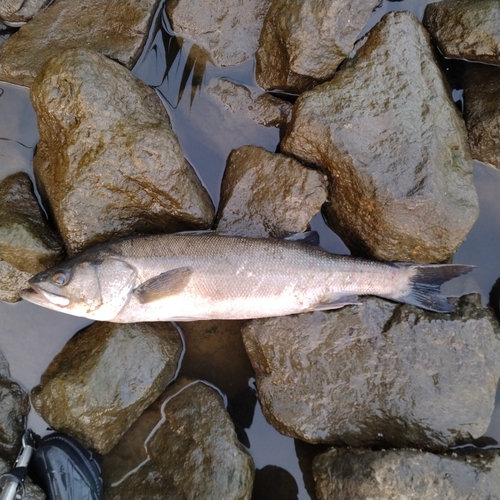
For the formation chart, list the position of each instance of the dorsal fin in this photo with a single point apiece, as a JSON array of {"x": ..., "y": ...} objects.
[{"x": 309, "y": 237}]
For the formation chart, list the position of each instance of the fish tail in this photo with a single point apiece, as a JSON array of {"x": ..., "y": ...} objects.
[{"x": 425, "y": 286}]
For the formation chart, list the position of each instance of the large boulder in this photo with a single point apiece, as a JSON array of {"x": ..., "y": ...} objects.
[
  {"x": 394, "y": 146},
  {"x": 18, "y": 12},
  {"x": 108, "y": 162},
  {"x": 378, "y": 374}
]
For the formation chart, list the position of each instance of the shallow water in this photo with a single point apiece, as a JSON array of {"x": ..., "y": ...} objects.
[{"x": 30, "y": 336}]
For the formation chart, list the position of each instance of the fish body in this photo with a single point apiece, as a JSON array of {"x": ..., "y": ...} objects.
[{"x": 187, "y": 277}]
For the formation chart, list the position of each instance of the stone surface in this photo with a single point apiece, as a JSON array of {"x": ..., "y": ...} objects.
[
  {"x": 263, "y": 108},
  {"x": 466, "y": 29},
  {"x": 31, "y": 491},
  {"x": 268, "y": 194},
  {"x": 394, "y": 146},
  {"x": 408, "y": 474},
  {"x": 105, "y": 377},
  {"x": 115, "y": 28},
  {"x": 227, "y": 29},
  {"x": 378, "y": 374},
  {"x": 26, "y": 240},
  {"x": 14, "y": 408},
  {"x": 18, "y": 12},
  {"x": 11, "y": 282},
  {"x": 184, "y": 444},
  {"x": 482, "y": 112},
  {"x": 102, "y": 131},
  {"x": 302, "y": 43}
]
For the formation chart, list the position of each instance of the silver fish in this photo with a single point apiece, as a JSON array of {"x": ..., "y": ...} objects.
[{"x": 205, "y": 275}]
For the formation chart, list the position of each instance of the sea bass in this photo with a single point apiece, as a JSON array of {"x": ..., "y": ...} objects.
[{"x": 205, "y": 275}]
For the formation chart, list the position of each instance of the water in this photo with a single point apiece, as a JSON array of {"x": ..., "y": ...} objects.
[{"x": 30, "y": 336}]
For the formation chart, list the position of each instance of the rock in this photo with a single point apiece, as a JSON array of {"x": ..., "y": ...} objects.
[
  {"x": 31, "y": 491},
  {"x": 227, "y": 29},
  {"x": 115, "y": 28},
  {"x": 482, "y": 112},
  {"x": 18, "y": 12},
  {"x": 14, "y": 409},
  {"x": 184, "y": 444},
  {"x": 408, "y": 474},
  {"x": 274, "y": 483},
  {"x": 26, "y": 240},
  {"x": 378, "y": 374},
  {"x": 105, "y": 377},
  {"x": 394, "y": 146},
  {"x": 466, "y": 29},
  {"x": 494, "y": 301},
  {"x": 303, "y": 43},
  {"x": 11, "y": 282},
  {"x": 263, "y": 108},
  {"x": 102, "y": 131},
  {"x": 268, "y": 194}
]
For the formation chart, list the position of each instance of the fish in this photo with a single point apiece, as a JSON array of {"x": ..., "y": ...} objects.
[{"x": 205, "y": 275}]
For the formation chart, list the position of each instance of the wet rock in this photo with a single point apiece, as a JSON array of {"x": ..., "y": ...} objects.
[
  {"x": 482, "y": 112},
  {"x": 378, "y": 374},
  {"x": 408, "y": 474},
  {"x": 185, "y": 444},
  {"x": 388, "y": 134},
  {"x": 105, "y": 377},
  {"x": 303, "y": 43},
  {"x": 18, "y": 12},
  {"x": 115, "y": 28},
  {"x": 26, "y": 240},
  {"x": 268, "y": 194},
  {"x": 102, "y": 131},
  {"x": 263, "y": 108},
  {"x": 14, "y": 408},
  {"x": 11, "y": 282},
  {"x": 31, "y": 490},
  {"x": 227, "y": 29},
  {"x": 466, "y": 29},
  {"x": 274, "y": 483}
]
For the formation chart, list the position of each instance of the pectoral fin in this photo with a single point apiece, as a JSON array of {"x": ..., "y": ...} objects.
[
  {"x": 337, "y": 303},
  {"x": 163, "y": 285}
]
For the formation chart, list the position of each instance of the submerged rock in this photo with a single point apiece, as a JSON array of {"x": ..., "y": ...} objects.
[
  {"x": 227, "y": 29},
  {"x": 394, "y": 146},
  {"x": 18, "y": 12},
  {"x": 408, "y": 474},
  {"x": 378, "y": 374},
  {"x": 268, "y": 194},
  {"x": 105, "y": 377},
  {"x": 26, "y": 240},
  {"x": 482, "y": 112},
  {"x": 302, "y": 43},
  {"x": 115, "y": 28},
  {"x": 104, "y": 132},
  {"x": 183, "y": 444},
  {"x": 466, "y": 29}
]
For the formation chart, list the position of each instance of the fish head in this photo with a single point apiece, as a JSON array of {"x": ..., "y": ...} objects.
[{"x": 94, "y": 288}]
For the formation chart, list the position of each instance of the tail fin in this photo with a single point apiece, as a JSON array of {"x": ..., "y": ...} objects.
[{"x": 425, "y": 285}]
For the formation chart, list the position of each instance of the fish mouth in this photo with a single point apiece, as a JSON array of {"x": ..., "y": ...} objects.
[{"x": 41, "y": 297}]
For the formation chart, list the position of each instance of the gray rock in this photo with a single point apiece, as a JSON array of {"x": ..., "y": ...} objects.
[
  {"x": 18, "y": 12},
  {"x": 184, "y": 444},
  {"x": 388, "y": 134},
  {"x": 26, "y": 240},
  {"x": 227, "y": 29},
  {"x": 482, "y": 112},
  {"x": 408, "y": 474},
  {"x": 268, "y": 194},
  {"x": 11, "y": 282},
  {"x": 302, "y": 43},
  {"x": 378, "y": 374},
  {"x": 14, "y": 408},
  {"x": 263, "y": 108},
  {"x": 105, "y": 377},
  {"x": 31, "y": 491},
  {"x": 116, "y": 28},
  {"x": 102, "y": 131},
  {"x": 466, "y": 29}
]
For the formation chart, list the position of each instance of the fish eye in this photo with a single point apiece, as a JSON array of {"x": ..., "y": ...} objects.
[{"x": 60, "y": 278}]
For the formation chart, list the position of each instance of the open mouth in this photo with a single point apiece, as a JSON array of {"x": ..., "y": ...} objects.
[{"x": 43, "y": 298}]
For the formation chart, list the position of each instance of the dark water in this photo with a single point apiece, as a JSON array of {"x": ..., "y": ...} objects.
[{"x": 30, "y": 336}]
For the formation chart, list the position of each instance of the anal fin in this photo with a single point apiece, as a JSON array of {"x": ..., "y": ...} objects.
[
  {"x": 337, "y": 303},
  {"x": 163, "y": 285}
]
